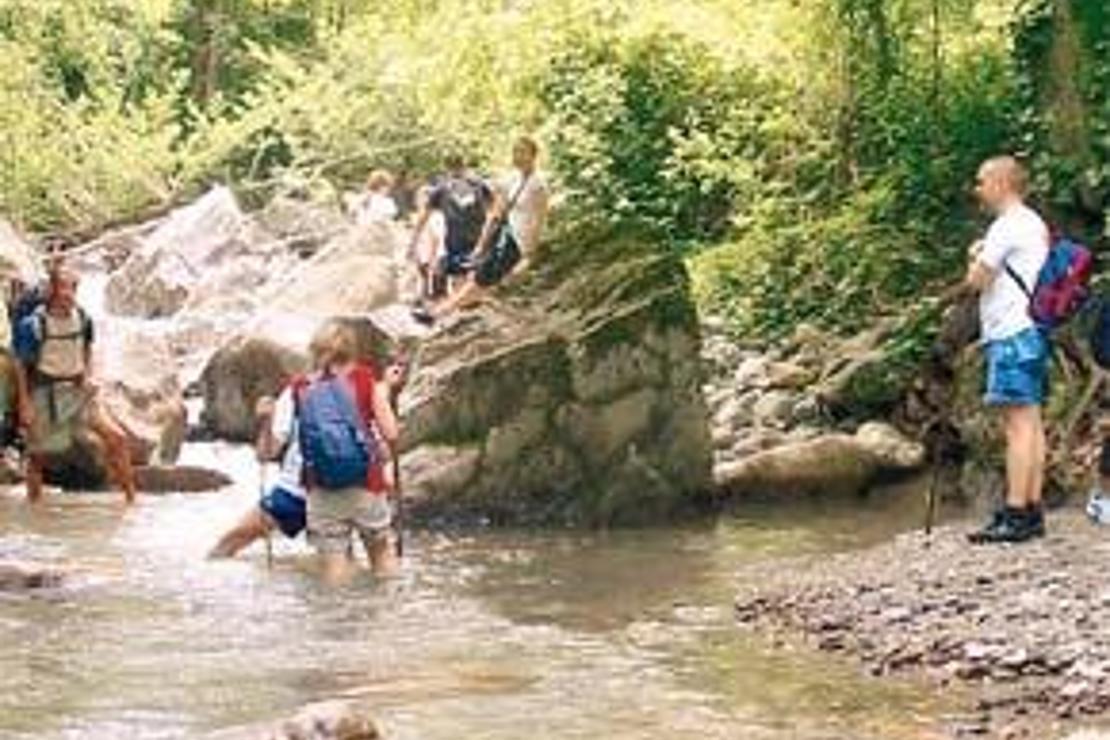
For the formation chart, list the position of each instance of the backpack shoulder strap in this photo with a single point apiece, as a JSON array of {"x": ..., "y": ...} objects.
[
  {"x": 1017, "y": 279},
  {"x": 362, "y": 377}
]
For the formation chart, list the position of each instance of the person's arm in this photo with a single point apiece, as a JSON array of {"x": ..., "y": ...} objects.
[
  {"x": 494, "y": 215},
  {"x": 987, "y": 258},
  {"x": 383, "y": 414},
  {"x": 275, "y": 424}
]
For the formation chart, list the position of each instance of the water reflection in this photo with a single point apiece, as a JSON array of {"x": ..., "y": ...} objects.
[{"x": 490, "y": 635}]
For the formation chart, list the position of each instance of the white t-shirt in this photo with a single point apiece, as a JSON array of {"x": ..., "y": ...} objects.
[
  {"x": 433, "y": 237},
  {"x": 526, "y": 217},
  {"x": 284, "y": 429},
  {"x": 375, "y": 208},
  {"x": 1018, "y": 238}
]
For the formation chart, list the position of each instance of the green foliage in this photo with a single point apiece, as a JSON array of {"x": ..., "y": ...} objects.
[
  {"x": 813, "y": 161},
  {"x": 1063, "y": 59}
]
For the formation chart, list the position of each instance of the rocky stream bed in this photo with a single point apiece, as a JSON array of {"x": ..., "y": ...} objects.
[{"x": 1024, "y": 628}]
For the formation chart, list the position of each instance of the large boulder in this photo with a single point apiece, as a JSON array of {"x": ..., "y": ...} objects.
[
  {"x": 260, "y": 361},
  {"x": 830, "y": 465},
  {"x": 18, "y": 259},
  {"x": 347, "y": 278},
  {"x": 574, "y": 396},
  {"x": 157, "y": 278}
]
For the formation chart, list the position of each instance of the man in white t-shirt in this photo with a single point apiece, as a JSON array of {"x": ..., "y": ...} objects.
[
  {"x": 1003, "y": 270},
  {"x": 511, "y": 234},
  {"x": 283, "y": 504}
]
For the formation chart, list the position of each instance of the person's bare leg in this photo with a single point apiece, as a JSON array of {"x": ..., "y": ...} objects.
[
  {"x": 116, "y": 452},
  {"x": 469, "y": 291},
  {"x": 380, "y": 553},
  {"x": 35, "y": 465},
  {"x": 1035, "y": 492},
  {"x": 336, "y": 567},
  {"x": 1020, "y": 446},
  {"x": 254, "y": 525}
]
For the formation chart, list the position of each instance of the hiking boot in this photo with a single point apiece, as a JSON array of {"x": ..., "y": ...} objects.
[
  {"x": 1034, "y": 518},
  {"x": 1006, "y": 525}
]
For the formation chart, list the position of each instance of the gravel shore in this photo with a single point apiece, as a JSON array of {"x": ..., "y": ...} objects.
[{"x": 1025, "y": 628}]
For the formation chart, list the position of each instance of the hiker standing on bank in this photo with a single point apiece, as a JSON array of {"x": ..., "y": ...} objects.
[
  {"x": 54, "y": 346},
  {"x": 463, "y": 199},
  {"x": 1016, "y": 350},
  {"x": 347, "y": 428},
  {"x": 511, "y": 233}
]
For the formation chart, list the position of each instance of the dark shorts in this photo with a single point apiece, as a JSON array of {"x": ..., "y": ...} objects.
[
  {"x": 499, "y": 261},
  {"x": 1017, "y": 369},
  {"x": 456, "y": 256},
  {"x": 287, "y": 510},
  {"x": 1104, "y": 459}
]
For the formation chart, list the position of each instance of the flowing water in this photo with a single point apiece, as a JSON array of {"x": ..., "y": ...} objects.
[{"x": 483, "y": 635}]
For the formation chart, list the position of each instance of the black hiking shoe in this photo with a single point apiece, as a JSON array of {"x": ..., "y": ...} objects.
[
  {"x": 1034, "y": 517},
  {"x": 423, "y": 315},
  {"x": 1007, "y": 525}
]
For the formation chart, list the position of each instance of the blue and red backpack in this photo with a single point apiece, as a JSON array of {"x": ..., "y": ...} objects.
[
  {"x": 334, "y": 416},
  {"x": 1063, "y": 284}
]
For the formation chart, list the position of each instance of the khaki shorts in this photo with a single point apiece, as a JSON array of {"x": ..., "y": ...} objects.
[
  {"x": 62, "y": 410},
  {"x": 333, "y": 515}
]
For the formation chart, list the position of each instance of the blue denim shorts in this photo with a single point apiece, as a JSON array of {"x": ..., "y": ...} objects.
[
  {"x": 1017, "y": 369},
  {"x": 287, "y": 510}
]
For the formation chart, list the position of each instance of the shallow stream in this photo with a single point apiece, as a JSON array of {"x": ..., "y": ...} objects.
[{"x": 513, "y": 634}]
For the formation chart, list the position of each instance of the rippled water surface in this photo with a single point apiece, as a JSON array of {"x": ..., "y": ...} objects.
[{"x": 484, "y": 635}]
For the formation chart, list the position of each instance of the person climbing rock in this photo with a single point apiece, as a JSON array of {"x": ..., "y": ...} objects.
[
  {"x": 1016, "y": 350},
  {"x": 511, "y": 233},
  {"x": 462, "y": 199},
  {"x": 54, "y": 347}
]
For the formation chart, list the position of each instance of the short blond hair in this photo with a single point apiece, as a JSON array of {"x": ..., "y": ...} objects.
[
  {"x": 1009, "y": 171},
  {"x": 379, "y": 180},
  {"x": 333, "y": 343}
]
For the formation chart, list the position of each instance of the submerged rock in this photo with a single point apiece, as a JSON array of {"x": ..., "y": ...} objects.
[
  {"x": 179, "y": 479},
  {"x": 15, "y": 577},
  {"x": 331, "y": 720}
]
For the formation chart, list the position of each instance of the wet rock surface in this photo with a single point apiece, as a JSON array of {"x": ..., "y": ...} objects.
[
  {"x": 571, "y": 396},
  {"x": 331, "y": 720},
  {"x": 18, "y": 577},
  {"x": 1023, "y": 627}
]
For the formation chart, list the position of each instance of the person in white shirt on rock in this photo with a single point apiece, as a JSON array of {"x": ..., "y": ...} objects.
[{"x": 1003, "y": 270}]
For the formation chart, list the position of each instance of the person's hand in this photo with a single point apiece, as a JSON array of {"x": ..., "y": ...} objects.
[
  {"x": 264, "y": 408},
  {"x": 394, "y": 374}
]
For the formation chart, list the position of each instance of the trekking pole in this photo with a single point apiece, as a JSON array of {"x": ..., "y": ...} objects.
[
  {"x": 399, "y": 502},
  {"x": 261, "y": 495}
]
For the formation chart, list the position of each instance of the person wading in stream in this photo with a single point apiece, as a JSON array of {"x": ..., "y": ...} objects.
[
  {"x": 511, "y": 233},
  {"x": 54, "y": 346},
  {"x": 282, "y": 506},
  {"x": 1015, "y": 349},
  {"x": 346, "y": 428}
]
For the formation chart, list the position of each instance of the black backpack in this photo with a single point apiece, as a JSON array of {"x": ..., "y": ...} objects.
[{"x": 464, "y": 202}]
